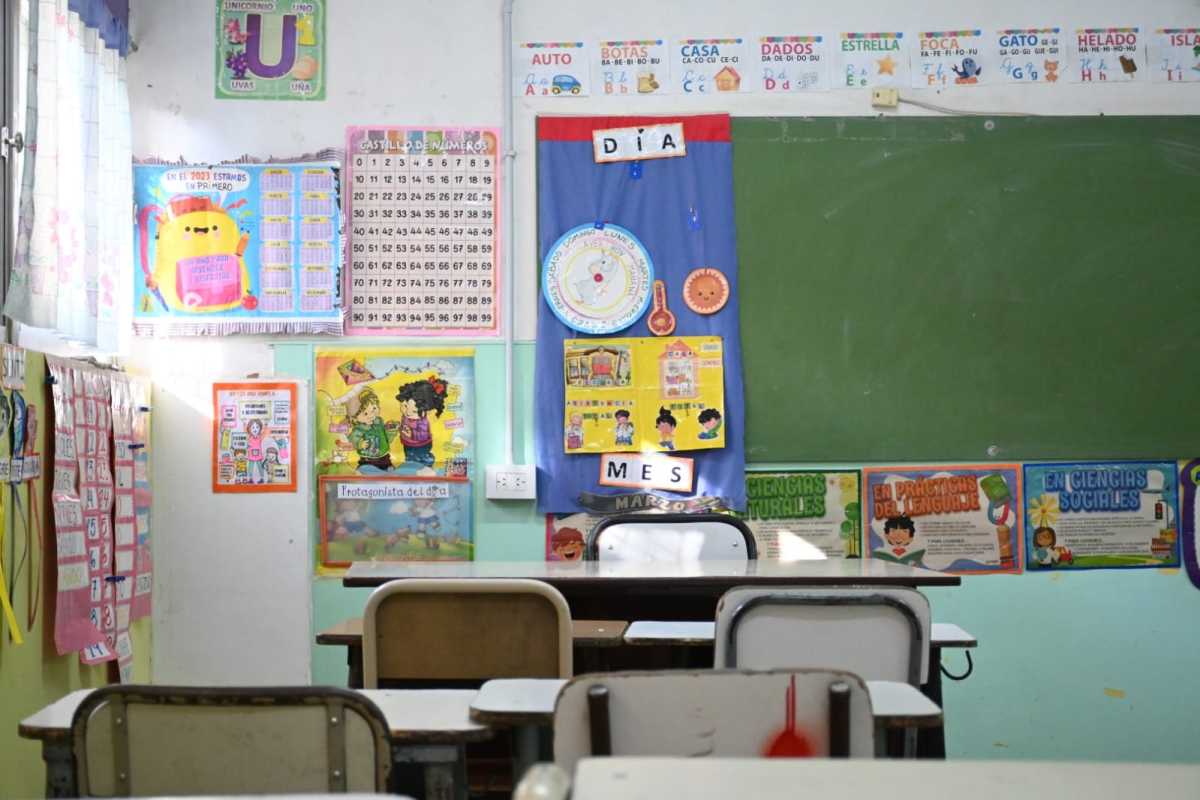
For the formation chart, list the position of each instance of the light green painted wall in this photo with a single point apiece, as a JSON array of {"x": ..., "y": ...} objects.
[{"x": 1096, "y": 665}]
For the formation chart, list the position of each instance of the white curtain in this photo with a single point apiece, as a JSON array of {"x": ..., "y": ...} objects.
[{"x": 74, "y": 238}]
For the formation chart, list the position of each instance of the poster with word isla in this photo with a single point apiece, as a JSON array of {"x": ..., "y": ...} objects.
[
  {"x": 1030, "y": 55},
  {"x": 709, "y": 66},
  {"x": 793, "y": 64},
  {"x": 551, "y": 69},
  {"x": 801, "y": 515},
  {"x": 424, "y": 232},
  {"x": 1175, "y": 55},
  {"x": 631, "y": 67},
  {"x": 962, "y": 519},
  {"x": 951, "y": 58},
  {"x": 1101, "y": 514},
  {"x": 271, "y": 49},
  {"x": 1104, "y": 55},
  {"x": 254, "y": 437},
  {"x": 237, "y": 248},
  {"x": 643, "y": 395},
  {"x": 866, "y": 60}
]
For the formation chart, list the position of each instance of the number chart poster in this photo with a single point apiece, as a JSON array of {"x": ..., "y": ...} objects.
[
  {"x": 254, "y": 437},
  {"x": 962, "y": 519},
  {"x": 271, "y": 49},
  {"x": 797, "y": 516},
  {"x": 424, "y": 231},
  {"x": 1101, "y": 514},
  {"x": 237, "y": 248}
]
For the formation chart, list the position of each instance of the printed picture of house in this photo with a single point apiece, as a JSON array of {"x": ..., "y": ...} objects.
[
  {"x": 727, "y": 80},
  {"x": 678, "y": 368}
]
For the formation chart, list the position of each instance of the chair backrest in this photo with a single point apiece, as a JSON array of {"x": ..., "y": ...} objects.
[
  {"x": 168, "y": 740},
  {"x": 465, "y": 630},
  {"x": 876, "y": 632},
  {"x": 671, "y": 537},
  {"x": 713, "y": 713}
]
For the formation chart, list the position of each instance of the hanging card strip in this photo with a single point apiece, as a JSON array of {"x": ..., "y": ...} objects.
[
  {"x": 142, "y": 498},
  {"x": 124, "y": 520}
]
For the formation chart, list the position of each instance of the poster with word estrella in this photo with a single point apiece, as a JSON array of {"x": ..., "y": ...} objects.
[
  {"x": 870, "y": 59},
  {"x": 643, "y": 395},
  {"x": 237, "y": 248},
  {"x": 551, "y": 69},
  {"x": 271, "y": 49},
  {"x": 254, "y": 437},
  {"x": 710, "y": 66},
  {"x": 1175, "y": 55},
  {"x": 951, "y": 58},
  {"x": 963, "y": 519},
  {"x": 1101, "y": 514},
  {"x": 424, "y": 231},
  {"x": 793, "y": 64},
  {"x": 1107, "y": 55},
  {"x": 631, "y": 67},
  {"x": 799, "y": 515},
  {"x": 1030, "y": 55}
]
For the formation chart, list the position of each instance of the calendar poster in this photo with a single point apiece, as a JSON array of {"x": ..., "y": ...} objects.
[{"x": 424, "y": 232}]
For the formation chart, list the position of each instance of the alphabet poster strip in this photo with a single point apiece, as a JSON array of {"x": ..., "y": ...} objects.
[
  {"x": 709, "y": 66},
  {"x": 1101, "y": 514},
  {"x": 254, "y": 437},
  {"x": 793, "y": 64},
  {"x": 875, "y": 58},
  {"x": 631, "y": 67},
  {"x": 951, "y": 58},
  {"x": 1103, "y": 55},
  {"x": 551, "y": 69},
  {"x": 961, "y": 519},
  {"x": 1175, "y": 55},
  {"x": 798, "y": 515},
  {"x": 1030, "y": 55},
  {"x": 290, "y": 34}
]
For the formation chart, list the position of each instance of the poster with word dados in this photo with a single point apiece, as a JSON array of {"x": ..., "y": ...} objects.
[
  {"x": 711, "y": 66},
  {"x": 809, "y": 514},
  {"x": 631, "y": 67},
  {"x": 551, "y": 69},
  {"x": 1175, "y": 55},
  {"x": 424, "y": 231},
  {"x": 962, "y": 519},
  {"x": 639, "y": 395},
  {"x": 1101, "y": 514},
  {"x": 271, "y": 49},
  {"x": 254, "y": 437},
  {"x": 951, "y": 58},
  {"x": 793, "y": 64},
  {"x": 1107, "y": 55},
  {"x": 870, "y": 59},
  {"x": 1030, "y": 55}
]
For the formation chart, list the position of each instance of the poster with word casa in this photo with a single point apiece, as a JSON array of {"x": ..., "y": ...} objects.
[
  {"x": 271, "y": 49},
  {"x": 709, "y": 66},
  {"x": 1030, "y": 55},
  {"x": 1102, "y": 55},
  {"x": 799, "y": 515},
  {"x": 631, "y": 67},
  {"x": 1175, "y": 55},
  {"x": 424, "y": 231},
  {"x": 394, "y": 518},
  {"x": 551, "y": 69},
  {"x": 793, "y": 64},
  {"x": 951, "y": 58},
  {"x": 567, "y": 535},
  {"x": 237, "y": 248},
  {"x": 396, "y": 411},
  {"x": 643, "y": 395},
  {"x": 1189, "y": 517},
  {"x": 867, "y": 60},
  {"x": 254, "y": 437},
  {"x": 962, "y": 519},
  {"x": 1101, "y": 514}
]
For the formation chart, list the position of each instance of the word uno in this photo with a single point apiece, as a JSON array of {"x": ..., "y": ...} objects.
[{"x": 927, "y": 496}]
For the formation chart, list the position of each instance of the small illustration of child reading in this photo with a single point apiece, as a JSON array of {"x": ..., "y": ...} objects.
[
  {"x": 369, "y": 434},
  {"x": 624, "y": 431},
  {"x": 710, "y": 422},
  {"x": 417, "y": 399},
  {"x": 666, "y": 424},
  {"x": 898, "y": 533},
  {"x": 254, "y": 451},
  {"x": 567, "y": 544},
  {"x": 574, "y": 432}
]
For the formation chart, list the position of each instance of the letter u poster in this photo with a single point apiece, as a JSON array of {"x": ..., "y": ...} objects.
[{"x": 270, "y": 49}]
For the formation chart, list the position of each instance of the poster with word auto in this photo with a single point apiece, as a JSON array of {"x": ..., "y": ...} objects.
[
  {"x": 254, "y": 437},
  {"x": 793, "y": 64},
  {"x": 870, "y": 59},
  {"x": 1101, "y": 514},
  {"x": 1175, "y": 55},
  {"x": 951, "y": 58},
  {"x": 1102, "y": 55},
  {"x": 643, "y": 395},
  {"x": 709, "y": 66},
  {"x": 237, "y": 248},
  {"x": 1030, "y": 55},
  {"x": 801, "y": 515},
  {"x": 631, "y": 67},
  {"x": 424, "y": 231},
  {"x": 961, "y": 519},
  {"x": 271, "y": 49},
  {"x": 551, "y": 69}
]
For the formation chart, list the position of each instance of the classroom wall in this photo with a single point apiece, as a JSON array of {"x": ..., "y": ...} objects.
[{"x": 1052, "y": 644}]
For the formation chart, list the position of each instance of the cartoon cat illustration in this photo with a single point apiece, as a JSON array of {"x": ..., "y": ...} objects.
[{"x": 1051, "y": 68}]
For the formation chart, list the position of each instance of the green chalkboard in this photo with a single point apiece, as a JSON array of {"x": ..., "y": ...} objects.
[{"x": 969, "y": 288}]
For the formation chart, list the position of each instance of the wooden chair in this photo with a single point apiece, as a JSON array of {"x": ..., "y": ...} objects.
[
  {"x": 169, "y": 740},
  {"x": 465, "y": 630},
  {"x": 671, "y": 537},
  {"x": 713, "y": 713}
]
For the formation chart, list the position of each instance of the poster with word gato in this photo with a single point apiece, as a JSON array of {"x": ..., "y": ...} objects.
[
  {"x": 961, "y": 519},
  {"x": 793, "y": 64},
  {"x": 424, "y": 231},
  {"x": 551, "y": 69},
  {"x": 1175, "y": 55},
  {"x": 1030, "y": 55},
  {"x": 1101, "y": 514},
  {"x": 254, "y": 437},
  {"x": 271, "y": 49},
  {"x": 631, "y": 67},
  {"x": 798, "y": 515},
  {"x": 1107, "y": 55},
  {"x": 866, "y": 60},
  {"x": 951, "y": 58},
  {"x": 709, "y": 66}
]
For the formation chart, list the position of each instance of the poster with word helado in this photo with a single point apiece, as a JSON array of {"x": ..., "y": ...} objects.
[
  {"x": 551, "y": 69},
  {"x": 1101, "y": 514},
  {"x": 1030, "y": 55},
  {"x": 793, "y": 64},
  {"x": 799, "y": 515},
  {"x": 1175, "y": 55},
  {"x": 1107, "y": 55},
  {"x": 951, "y": 58},
  {"x": 962, "y": 519},
  {"x": 643, "y": 395},
  {"x": 631, "y": 67},
  {"x": 709, "y": 66},
  {"x": 271, "y": 49},
  {"x": 254, "y": 437},
  {"x": 866, "y": 60}
]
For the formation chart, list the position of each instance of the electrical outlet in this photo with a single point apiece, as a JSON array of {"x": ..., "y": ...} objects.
[
  {"x": 511, "y": 482},
  {"x": 885, "y": 98}
]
